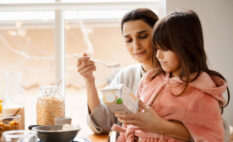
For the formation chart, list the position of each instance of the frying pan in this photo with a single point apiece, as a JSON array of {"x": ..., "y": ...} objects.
[{"x": 54, "y": 133}]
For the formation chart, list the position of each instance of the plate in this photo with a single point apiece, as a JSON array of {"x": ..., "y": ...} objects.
[{"x": 80, "y": 139}]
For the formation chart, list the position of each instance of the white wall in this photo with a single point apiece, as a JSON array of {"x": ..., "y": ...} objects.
[{"x": 217, "y": 22}]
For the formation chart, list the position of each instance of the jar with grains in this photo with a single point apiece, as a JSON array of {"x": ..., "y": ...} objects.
[{"x": 50, "y": 104}]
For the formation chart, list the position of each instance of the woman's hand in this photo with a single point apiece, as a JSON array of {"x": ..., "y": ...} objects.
[
  {"x": 146, "y": 120},
  {"x": 86, "y": 67}
]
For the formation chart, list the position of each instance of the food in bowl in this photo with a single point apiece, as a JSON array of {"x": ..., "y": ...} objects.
[
  {"x": 15, "y": 110},
  {"x": 67, "y": 127},
  {"x": 9, "y": 123}
]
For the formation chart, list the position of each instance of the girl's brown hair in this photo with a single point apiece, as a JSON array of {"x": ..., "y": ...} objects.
[{"x": 181, "y": 32}]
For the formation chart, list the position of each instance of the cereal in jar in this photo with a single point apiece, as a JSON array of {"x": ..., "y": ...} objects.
[{"x": 50, "y": 105}]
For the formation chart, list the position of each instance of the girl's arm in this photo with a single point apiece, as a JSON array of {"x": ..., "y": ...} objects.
[
  {"x": 176, "y": 130},
  {"x": 150, "y": 121}
]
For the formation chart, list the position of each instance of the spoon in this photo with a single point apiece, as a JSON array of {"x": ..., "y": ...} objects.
[
  {"x": 112, "y": 65},
  {"x": 9, "y": 118}
]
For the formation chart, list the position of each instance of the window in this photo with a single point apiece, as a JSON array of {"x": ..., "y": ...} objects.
[
  {"x": 28, "y": 26},
  {"x": 33, "y": 32}
]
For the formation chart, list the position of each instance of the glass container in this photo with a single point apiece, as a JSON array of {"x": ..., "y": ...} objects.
[
  {"x": 9, "y": 123},
  {"x": 50, "y": 104},
  {"x": 13, "y": 97}
]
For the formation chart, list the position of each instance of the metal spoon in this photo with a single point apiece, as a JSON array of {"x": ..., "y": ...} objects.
[
  {"x": 9, "y": 118},
  {"x": 112, "y": 65}
]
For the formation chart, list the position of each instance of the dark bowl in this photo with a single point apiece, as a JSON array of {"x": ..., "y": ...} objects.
[{"x": 54, "y": 133}]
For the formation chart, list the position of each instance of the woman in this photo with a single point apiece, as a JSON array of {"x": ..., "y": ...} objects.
[{"x": 136, "y": 27}]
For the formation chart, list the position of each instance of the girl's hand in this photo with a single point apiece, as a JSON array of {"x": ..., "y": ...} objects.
[
  {"x": 146, "y": 120},
  {"x": 86, "y": 67}
]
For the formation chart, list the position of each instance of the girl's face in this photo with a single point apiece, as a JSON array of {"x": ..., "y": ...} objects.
[
  {"x": 137, "y": 35},
  {"x": 169, "y": 61}
]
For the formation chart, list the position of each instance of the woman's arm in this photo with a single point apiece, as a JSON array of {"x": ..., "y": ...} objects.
[
  {"x": 86, "y": 67},
  {"x": 92, "y": 96},
  {"x": 150, "y": 121},
  {"x": 99, "y": 119}
]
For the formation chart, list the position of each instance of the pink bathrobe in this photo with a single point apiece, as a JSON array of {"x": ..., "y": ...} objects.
[{"x": 198, "y": 108}]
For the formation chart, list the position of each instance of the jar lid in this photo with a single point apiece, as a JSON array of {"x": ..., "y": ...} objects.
[{"x": 50, "y": 90}]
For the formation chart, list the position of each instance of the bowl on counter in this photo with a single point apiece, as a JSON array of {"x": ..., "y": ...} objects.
[
  {"x": 9, "y": 123},
  {"x": 56, "y": 133}
]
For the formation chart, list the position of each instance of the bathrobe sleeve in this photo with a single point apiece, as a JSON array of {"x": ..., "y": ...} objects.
[{"x": 203, "y": 119}]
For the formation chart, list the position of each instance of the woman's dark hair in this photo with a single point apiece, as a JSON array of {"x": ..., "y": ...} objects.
[
  {"x": 181, "y": 32},
  {"x": 145, "y": 14}
]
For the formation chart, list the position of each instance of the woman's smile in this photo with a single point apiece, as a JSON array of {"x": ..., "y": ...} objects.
[
  {"x": 163, "y": 62},
  {"x": 139, "y": 53}
]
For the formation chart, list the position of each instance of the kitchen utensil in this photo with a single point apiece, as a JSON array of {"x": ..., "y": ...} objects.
[
  {"x": 55, "y": 133},
  {"x": 9, "y": 118},
  {"x": 112, "y": 65}
]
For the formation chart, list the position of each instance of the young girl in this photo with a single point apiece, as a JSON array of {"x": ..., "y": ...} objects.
[{"x": 185, "y": 90}]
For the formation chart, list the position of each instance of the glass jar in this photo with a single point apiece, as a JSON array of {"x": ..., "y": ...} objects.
[
  {"x": 50, "y": 104},
  {"x": 13, "y": 97}
]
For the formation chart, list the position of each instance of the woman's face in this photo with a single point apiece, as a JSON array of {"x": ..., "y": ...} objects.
[
  {"x": 169, "y": 61},
  {"x": 137, "y": 35}
]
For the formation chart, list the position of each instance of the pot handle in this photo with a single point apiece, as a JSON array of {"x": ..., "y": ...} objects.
[{"x": 31, "y": 126}]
